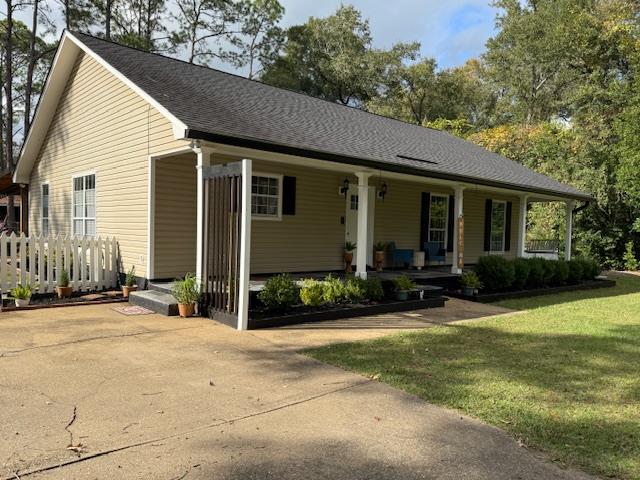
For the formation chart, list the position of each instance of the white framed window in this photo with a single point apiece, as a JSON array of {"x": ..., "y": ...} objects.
[
  {"x": 266, "y": 196},
  {"x": 498, "y": 222},
  {"x": 84, "y": 205},
  {"x": 438, "y": 219},
  {"x": 44, "y": 208}
]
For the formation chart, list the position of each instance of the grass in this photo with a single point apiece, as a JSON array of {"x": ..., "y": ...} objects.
[{"x": 563, "y": 376}]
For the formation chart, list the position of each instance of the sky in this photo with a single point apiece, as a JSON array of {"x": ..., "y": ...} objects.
[{"x": 451, "y": 31}]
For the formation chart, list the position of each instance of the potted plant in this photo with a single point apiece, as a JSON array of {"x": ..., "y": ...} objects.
[
  {"x": 187, "y": 292},
  {"x": 470, "y": 283},
  {"x": 129, "y": 282},
  {"x": 63, "y": 289},
  {"x": 349, "y": 247},
  {"x": 22, "y": 294},
  {"x": 379, "y": 248},
  {"x": 404, "y": 285}
]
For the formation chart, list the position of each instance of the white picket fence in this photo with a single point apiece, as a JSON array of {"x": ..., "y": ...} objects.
[{"x": 90, "y": 262}]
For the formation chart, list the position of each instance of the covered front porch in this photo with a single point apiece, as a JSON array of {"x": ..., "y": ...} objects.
[{"x": 236, "y": 216}]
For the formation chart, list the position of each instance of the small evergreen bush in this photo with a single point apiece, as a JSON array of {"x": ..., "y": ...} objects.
[
  {"x": 311, "y": 292},
  {"x": 404, "y": 282},
  {"x": 496, "y": 273},
  {"x": 561, "y": 272},
  {"x": 355, "y": 290},
  {"x": 536, "y": 273},
  {"x": 576, "y": 271},
  {"x": 629, "y": 259},
  {"x": 591, "y": 268},
  {"x": 333, "y": 290},
  {"x": 521, "y": 269},
  {"x": 373, "y": 289},
  {"x": 279, "y": 293}
]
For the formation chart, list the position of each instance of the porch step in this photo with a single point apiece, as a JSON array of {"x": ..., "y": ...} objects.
[
  {"x": 164, "y": 287},
  {"x": 160, "y": 302}
]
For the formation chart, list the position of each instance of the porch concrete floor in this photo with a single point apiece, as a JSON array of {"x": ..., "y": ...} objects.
[{"x": 166, "y": 398}]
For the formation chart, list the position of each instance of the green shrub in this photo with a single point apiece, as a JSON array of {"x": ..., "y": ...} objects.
[
  {"x": 470, "y": 280},
  {"x": 187, "y": 291},
  {"x": 536, "y": 272},
  {"x": 591, "y": 268},
  {"x": 561, "y": 272},
  {"x": 496, "y": 273},
  {"x": 279, "y": 293},
  {"x": 576, "y": 271},
  {"x": 355, "y": 290},
  {"x": 311, "y": 292},
  {"x": 373, "y": 289},
  {"x": 22, "y": 292},
  {"x": 404, "y": 282},
  {"x": 334, "y": 290},
  {"x": 630, "y": 261},
  {"x": 521, "y": 271},
  {"x": 130, "y": 277},
  {"x": 549, "y": 272}
]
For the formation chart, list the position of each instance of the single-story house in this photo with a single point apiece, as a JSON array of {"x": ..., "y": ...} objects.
[{"x": 194, "y": 169}]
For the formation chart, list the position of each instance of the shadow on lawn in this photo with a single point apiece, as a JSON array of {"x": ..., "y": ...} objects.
[
  {"x": 575, "y": 395},
  {"x": 627, "y": 283}
]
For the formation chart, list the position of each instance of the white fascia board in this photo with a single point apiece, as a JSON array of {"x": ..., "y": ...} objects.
[{"x": 61, "y": 67}]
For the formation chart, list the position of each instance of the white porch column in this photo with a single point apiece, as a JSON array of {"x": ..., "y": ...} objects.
[
  {"x": 203, "y": 160},
  {"x": 569, "y": 231},
  {"x": 522, "y": 225},
  {"x": 458, "y": 214},
  {"x": 362, "y": 244},
  {"x": 245, "y": 247}
]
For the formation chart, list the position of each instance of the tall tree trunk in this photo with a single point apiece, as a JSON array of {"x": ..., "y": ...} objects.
[
  {"x": 8, "y": 95},
  {"x": 28, "y": 87},
  {"x": 107, "y": 19},
  {"x": 67, "y": 9}
]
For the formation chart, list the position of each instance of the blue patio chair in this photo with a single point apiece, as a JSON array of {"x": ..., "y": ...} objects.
[
  {"x": 399, "y": 257},
  {"x": 435, "y": 251}
]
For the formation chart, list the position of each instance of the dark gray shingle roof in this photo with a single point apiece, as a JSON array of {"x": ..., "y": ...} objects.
[{"x": 220, "y": 106}]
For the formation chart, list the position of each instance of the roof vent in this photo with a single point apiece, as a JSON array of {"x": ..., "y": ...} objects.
[{"x": 405, "y": 157}]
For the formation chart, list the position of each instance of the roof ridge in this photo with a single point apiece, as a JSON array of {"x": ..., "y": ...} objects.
[{"x": 253, "y": 80}]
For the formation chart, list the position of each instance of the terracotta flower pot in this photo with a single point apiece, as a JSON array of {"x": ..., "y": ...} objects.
[
  {"x": 186, "y": 309},
  {"x": 348, "y": 260},
  {"x": 379, "y": 257},
  {"x": 64, "y": 292},
  {"x": 126, "y": 290}
]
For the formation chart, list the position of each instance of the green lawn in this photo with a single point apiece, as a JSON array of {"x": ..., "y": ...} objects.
[{"x": 563, "y": 376}]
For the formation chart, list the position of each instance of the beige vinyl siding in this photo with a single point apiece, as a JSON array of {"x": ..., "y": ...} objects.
[
  {"x": 104, "y": 127},
  {"x": 175, "y": 216}
]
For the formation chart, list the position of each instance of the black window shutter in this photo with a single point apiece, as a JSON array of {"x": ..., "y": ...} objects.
[
  {"x": 507, "y": 227},
  {"x": 451, "y": 223},
  {"x": 488, "y": 206},
  {"x": 425, "y": 206},
  {"x": 289, "y": 196}
]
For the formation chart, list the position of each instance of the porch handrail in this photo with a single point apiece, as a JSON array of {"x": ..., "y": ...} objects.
[{"x": 543, "y": 245}]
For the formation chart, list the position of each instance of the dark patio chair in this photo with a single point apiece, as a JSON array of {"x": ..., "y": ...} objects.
[
  {"x": 399, "y": 257},
  {"x": 435, "y": 252}
]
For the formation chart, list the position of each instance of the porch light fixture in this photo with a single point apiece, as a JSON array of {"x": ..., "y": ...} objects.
[
  {"x": 383, "y": 191},
  {"x": 344, "y": 188}
]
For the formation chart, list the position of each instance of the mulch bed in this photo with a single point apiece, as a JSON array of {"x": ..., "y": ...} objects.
[
  {"x": 498, "y": 296},
  {"x": 303, "y": 314},
  {"x": 51, "y": 300}
]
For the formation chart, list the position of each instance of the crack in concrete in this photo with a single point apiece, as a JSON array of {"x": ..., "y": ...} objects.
[
  {"x": 73, "y": 419},
  {"x": 91, "y": 339},
  {"x": 187, "y": 432}
]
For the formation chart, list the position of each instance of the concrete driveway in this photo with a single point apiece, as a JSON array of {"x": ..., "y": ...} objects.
[{"x": 89, "y": 393}]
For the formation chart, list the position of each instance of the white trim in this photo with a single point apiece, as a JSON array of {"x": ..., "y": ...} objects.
[
  {"x": 95, "y": 203},
  {"x": 458, "y": 213},
  {"x": 42, "y": 232},
  {"x": 568, "y": 236},
  {"x": 446, "y": 218},
  {"x": 245, "y": 247},
  {"x": 522, "y": 225},
  {"x": 203, "y": 156},
  {"x": 363, "y": 246},
  {"x": 273, "y": 218},
  {"x": 504, "y": 228},
  {"x": 61, "y": 67},
  {"x": 151, "y": 203}
]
